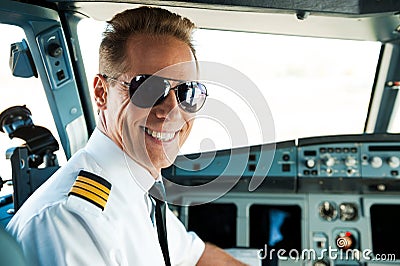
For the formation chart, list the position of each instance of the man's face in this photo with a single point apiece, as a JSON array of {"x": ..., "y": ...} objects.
[{"x": 150, "y": 136}]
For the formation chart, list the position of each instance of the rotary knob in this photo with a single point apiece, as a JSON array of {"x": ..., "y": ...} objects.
[
  {"x": 310, "y": 163},
  {"x": 327, "y": 211},
  {"x": 350, "y": 161},
  {"x": 54, "y": 50},
  {"x": 376, "y": 162},
  {"x": 321, "y": 263},
  {"x": 394, "y": 161},
  {"x": 348, "y": 212},
  {"x": 329, "y": 161}
]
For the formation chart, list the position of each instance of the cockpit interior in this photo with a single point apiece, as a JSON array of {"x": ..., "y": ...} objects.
[{"x": 296, "y": 149}]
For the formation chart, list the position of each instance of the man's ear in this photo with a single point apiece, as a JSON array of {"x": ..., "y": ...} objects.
[{"x": 100, "y": 92}]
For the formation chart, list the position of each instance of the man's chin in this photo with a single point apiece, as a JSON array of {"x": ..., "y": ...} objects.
[{"x": 165, "y": 162}]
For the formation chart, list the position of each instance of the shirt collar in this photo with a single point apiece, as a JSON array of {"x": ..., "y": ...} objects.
[{"x": 113, "y": 160}]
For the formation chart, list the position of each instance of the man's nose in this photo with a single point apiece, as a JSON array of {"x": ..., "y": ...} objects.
[{"x": 169, "y": 108}]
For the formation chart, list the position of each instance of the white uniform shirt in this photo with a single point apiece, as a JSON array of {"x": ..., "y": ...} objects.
[{"x": 56, "y": 229}]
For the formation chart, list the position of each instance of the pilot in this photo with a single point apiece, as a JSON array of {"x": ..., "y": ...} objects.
[{"x": 106, "y": 206}]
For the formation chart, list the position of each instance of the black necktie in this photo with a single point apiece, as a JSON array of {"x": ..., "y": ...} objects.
[{"x": 157, "y": 192}]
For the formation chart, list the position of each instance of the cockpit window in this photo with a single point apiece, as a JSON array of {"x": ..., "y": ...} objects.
[
  {"x": 394, "y": 125},
  {"x": 20, "y": 91},
  {"x": 312, "y": 86}
]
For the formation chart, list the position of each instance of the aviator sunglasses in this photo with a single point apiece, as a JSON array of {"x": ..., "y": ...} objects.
[{"x": 146, "y": 91}]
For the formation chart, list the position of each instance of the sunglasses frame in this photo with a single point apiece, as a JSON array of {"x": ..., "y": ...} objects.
[{"x": 167, "y": 90}]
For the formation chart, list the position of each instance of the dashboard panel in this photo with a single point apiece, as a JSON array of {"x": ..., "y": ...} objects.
[{"x": 335, "y": 193}]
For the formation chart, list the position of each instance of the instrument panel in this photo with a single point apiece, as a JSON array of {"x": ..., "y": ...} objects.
[
  {"x": 367, "y": 156},
  {"x": 335, "y": 193}
]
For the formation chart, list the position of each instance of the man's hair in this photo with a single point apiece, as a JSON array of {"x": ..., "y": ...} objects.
[{"x": 151, "y": 21}]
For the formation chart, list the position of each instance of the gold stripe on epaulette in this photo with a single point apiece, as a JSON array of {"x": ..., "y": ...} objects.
[
  {"x": 98, "y": 201},
  {"x": 93, "y": 183},
  {"x": 91, "y": 188}
]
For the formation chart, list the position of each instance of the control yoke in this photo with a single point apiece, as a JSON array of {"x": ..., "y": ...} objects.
[{"x": 35, "y": 161}]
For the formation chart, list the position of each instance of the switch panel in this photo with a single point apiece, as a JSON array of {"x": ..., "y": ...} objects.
[{"x": 52, "y": 47}]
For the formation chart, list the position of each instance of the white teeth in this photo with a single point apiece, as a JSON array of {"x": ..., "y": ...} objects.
[{"x": 163, "y": 136}]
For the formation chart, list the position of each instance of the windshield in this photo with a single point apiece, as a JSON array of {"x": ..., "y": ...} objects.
[
  {"x": 312, "y": 86},
  {"x": 20, "y": 91},
  {"x": 394, "y": 125}
]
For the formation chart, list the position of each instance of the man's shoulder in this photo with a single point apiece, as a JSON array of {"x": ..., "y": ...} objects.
[
  {"x": 89, "y": 192},
  {"x": 75, "y": 189}
]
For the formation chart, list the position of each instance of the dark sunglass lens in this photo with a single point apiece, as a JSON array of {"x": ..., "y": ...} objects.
[
  {"x": 147, "y": 91},
  {"x": 191, "y": 96},
  {"x": 138, "y": 80}
]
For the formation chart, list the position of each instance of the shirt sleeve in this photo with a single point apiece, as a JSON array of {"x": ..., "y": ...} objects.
[
  {"x": 185, "y": 248},
  {"x": 57, "y": 237}
]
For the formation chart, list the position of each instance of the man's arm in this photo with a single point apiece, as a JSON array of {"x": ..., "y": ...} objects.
[
  {"x": 58, "y": 236},
  {"x": 214, "y": 255}
]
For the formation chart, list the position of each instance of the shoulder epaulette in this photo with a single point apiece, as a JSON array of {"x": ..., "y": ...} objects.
[{"x": 91, "y": 188}]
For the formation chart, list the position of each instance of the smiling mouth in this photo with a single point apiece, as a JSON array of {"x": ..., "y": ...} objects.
[{"x": 161, "y": 136}]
